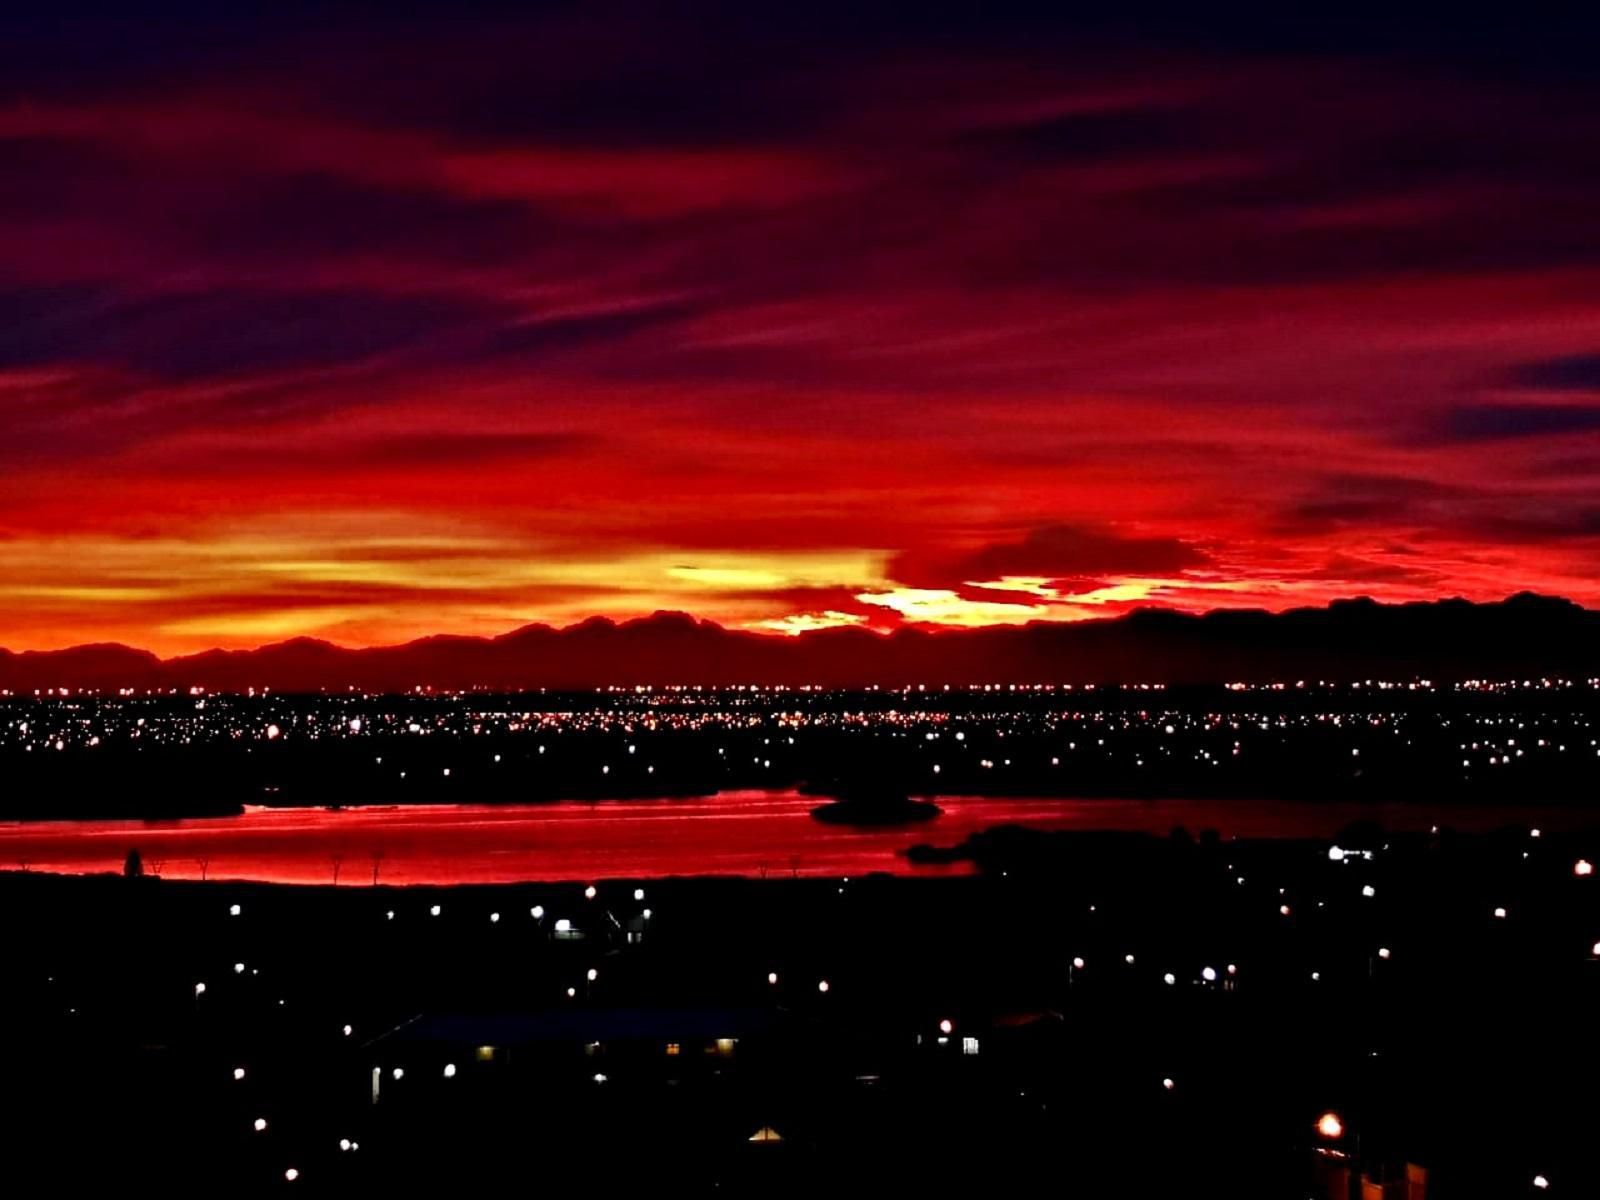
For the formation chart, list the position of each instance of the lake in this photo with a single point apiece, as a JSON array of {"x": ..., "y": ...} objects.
[{"x": 733, "y": 833}]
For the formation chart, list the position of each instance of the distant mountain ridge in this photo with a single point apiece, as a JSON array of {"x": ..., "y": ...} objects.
[{"x": 1525, "y": 635}]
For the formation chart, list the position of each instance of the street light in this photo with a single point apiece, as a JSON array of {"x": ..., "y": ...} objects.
[{"x": 1330, "y": 1126}]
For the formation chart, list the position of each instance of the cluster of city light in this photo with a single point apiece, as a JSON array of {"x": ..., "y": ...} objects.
[{"x": 1216, "y": 973}]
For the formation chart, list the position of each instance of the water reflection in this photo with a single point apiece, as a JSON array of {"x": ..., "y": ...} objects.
[{"x": 734, "y": 833}]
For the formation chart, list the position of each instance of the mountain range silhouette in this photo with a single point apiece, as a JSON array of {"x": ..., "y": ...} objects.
[{"x": 1523, "y": 636}]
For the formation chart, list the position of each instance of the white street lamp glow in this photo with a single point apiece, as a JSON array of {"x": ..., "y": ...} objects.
[
  {"x": 234, "y": 910},
  {"x": 261, "y": 1125},
  {"x": 593, "y": 974},
  {"x": 238, "y": 1072},
  {"x": 772, "y": 977},
  {"x": 537, "y": 912},
  {"x": 291, "y": 1174},
  {"x": 449, "y": 1070},
  {"x": 1169, "y": 979},
  {"x": 1209, "y": 974},
  {"x": 945, "y": 1026},
  {"x": 434, "y": 911},
  {"x": 822, "y": 985},
  {"x": 399, "y": 1072},
  {"x": 638, "y": 893},
  {"x": 589, "y": 892}
]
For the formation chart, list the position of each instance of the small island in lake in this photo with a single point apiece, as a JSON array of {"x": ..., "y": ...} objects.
[{"x": 861, "y": 804}]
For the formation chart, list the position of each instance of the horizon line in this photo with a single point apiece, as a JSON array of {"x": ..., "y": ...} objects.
[{"x": 930, "y": 628}]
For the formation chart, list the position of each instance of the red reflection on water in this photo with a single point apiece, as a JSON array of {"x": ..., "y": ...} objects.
[{"x": 733, "y": 833}]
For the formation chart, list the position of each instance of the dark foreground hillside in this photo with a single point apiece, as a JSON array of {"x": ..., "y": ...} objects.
[{"x": 1126, "y": 1016}]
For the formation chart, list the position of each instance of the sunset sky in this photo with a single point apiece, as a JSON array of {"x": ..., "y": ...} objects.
[{"x": 368, "y": 327}]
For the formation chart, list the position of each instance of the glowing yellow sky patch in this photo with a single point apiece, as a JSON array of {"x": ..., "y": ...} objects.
[
  {"x": 942, "y": 607},
  {"x": 383, "y": 577},
  {"x": 798, "y": 623}
]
